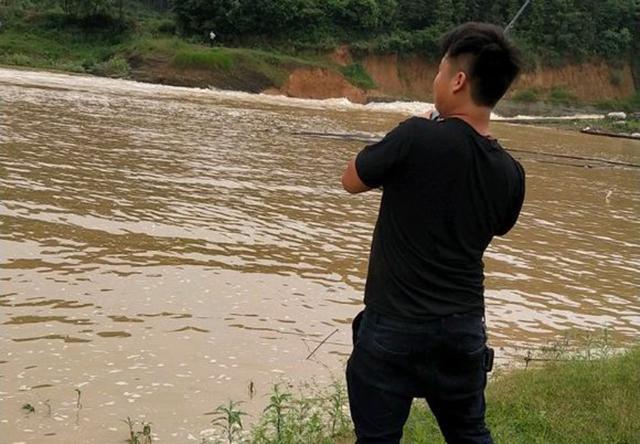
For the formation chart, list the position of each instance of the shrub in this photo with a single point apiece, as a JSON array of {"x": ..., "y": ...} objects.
[
  {"x": 526, "y": 95},
  {"x": 561, "y": 96},
  {"x": 114, "y": 67}
]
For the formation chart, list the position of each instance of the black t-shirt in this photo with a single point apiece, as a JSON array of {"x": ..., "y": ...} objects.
[{"x": 447, "y": 191}]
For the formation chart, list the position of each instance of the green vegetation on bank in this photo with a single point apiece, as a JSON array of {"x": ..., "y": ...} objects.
[
  {"x": 589, "y": 397},
  {"x": 51, "y": 40},
  {"x": 358, "y": 76},
  {"x": 555, "y": 31},
  {"x": 260, "y": 42},
  {"x": 629, "y": 104},
  {"x": 581, "y": 391},
  {"x": 576, "y": 401},
  {"x": 576, "y": 391}
]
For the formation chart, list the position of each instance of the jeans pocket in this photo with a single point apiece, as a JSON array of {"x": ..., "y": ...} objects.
[
  {"x": 462, "y": 371},
  {"x": 389, "y": 345},
  {"x": 464, "y": 361}
]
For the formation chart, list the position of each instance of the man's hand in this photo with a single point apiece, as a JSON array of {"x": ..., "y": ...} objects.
[
  {"x": 351, "y": 181},
  {"x": 431, "y": 115}
]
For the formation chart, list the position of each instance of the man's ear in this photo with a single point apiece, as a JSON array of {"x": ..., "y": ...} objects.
[{"x": 459, "y": 81}]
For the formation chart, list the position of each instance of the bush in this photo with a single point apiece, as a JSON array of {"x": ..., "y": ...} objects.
[
  {"x": 114, "y": 67},
  {"x": 162, "y": 26},
  {"x": 561, "y": 96},
  {"x": 526, "y": 95},
  {"x": 16, "y": 59},
  {"x": 630, "y": 104}
]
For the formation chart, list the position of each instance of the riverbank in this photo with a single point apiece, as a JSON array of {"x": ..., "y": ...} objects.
[
  {"x": 572, "y": 401},
  {"x": 151, "y": 52},
  {"x": 628, "y": 128},
  {"x": 589, "y": 397}
]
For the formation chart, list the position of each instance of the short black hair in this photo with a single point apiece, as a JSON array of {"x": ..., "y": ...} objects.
[{"x": 493, "y": 62}]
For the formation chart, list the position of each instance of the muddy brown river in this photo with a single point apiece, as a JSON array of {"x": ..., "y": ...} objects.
[{"x": 163, "y": 248}]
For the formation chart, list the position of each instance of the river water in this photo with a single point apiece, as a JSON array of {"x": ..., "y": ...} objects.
[{"x": 163, "y": 248}]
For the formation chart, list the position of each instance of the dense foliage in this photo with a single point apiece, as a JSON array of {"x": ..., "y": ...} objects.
[
  {"x": 576, "y": 28},
  {"x": 567, "y": 30}
]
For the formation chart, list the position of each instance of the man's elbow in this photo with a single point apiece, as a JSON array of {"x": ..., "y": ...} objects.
[
  {"x": 351, "y": 182},
  {"x": 353, "y": 186},
  {"x": 348, "y": 187}
]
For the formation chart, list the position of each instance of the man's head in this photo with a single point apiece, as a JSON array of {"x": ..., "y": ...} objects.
[{"x": 478, "y": 65}]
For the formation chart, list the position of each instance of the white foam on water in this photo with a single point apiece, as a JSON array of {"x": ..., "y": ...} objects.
[
  {"x": 87, "y": 83},
  {"x": 571, "y": 117}
]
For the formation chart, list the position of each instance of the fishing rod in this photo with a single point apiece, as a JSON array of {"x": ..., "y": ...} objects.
[
  {"x": 373, "y": 138},
  {"x": 435, "y": 114},
  {"x": 515, "y": 18}
]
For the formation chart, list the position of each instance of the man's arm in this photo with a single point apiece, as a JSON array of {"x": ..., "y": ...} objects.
[
  {"x": 351, "y": 181},
  {"x": 377, "y": 163}
]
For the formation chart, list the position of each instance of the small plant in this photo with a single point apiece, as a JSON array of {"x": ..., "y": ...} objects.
[
  {"x": 340, "y": 422},
  {"x": 28, "y": 408},
  {"x": 229, "y": 419},
  {"x": 138, "y": 437},
  {"x": 277, "y": 409},
  {"x": 311, "y": 416}
]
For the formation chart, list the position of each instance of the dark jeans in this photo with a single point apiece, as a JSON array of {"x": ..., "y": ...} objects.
[{"x": 393, "y": 361}]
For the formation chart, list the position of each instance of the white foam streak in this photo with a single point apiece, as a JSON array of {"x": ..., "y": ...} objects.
[{"x": 80, "y": 82}]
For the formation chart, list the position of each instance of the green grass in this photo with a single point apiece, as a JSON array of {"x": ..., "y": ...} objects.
[
  {"x": 49, "y": 41},
  {"x": 561, "y": 96},
  {"x": 630, "y": 104},
  {"x": 42, "y": 51},
  {"x": 46, "y": 41},
  {"x": 203, "y": 59},
  {"x": 116, "y": 66},
  {"x": 580, "y": 401},
  {"x": 529, "y": 95},
  {"x": 358, "y": 76},
  {"x": 42, "y": 42}
]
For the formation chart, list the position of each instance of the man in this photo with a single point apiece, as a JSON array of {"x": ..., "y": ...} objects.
[{"x": 448, "y": 188}]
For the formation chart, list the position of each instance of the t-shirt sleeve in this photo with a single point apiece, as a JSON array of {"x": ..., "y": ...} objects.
[
  {"x": 376, "y": 163},
  {"x": 517, "y": 200}
]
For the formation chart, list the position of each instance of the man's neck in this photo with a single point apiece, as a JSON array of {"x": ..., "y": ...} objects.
[{"x": 476, "y": 117}]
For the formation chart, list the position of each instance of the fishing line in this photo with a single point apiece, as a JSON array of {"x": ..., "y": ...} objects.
[
  {"x": 435, "y": 114},
  {"x": 360, "y": 137}
]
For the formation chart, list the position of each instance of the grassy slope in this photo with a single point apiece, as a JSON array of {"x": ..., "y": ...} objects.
[
  {"x": 570, "y": 402},
  {"x": 177, "y": 54},
  {"x": 148, "y": 54},
  {"x": 567, "y": 402}
]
